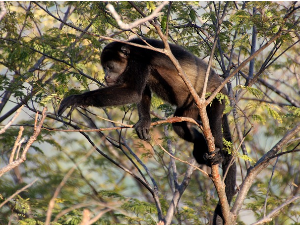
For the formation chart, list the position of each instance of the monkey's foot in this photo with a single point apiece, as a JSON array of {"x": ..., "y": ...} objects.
[{"x": 213, "y": 158}]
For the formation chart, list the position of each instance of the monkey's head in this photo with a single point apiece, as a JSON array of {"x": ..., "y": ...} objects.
[{"x": 114, "y": 60}]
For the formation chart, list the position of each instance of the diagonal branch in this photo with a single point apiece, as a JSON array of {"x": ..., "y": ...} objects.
[
  {"x": 274, "y": 212},
  {"x": 18, "y": 192},
  {"x": 259, "y": 166}
]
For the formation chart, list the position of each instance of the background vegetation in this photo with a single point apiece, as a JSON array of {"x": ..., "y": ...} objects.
[{"x": 52, "y": 172}]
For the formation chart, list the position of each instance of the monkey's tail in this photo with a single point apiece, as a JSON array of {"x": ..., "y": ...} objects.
[{"x": 229, "y": 170}]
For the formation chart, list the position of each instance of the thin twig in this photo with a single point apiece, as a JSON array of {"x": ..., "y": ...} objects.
[
  {"x": 174, "y": 119},
  {"x": 195, "y": 167},
  {"x": 17, "y": 143}
]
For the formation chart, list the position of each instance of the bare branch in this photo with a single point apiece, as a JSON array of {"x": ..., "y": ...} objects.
[
  {"x": 37, "y": 130},
  {"x": 178, "y": 192},
  {"x": 18, "y": 144},
  {"x": 125, "y": 26},
  {"x": 174, "y": 119},
  {"x": 97, "y": 217}
]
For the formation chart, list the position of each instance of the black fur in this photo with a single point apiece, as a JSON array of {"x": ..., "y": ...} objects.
[{"x": 132, "y": 73}]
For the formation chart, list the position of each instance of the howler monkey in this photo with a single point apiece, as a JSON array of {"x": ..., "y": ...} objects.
[{"x": 131, "y": 73}]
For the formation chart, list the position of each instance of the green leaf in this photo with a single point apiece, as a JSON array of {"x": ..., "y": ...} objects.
[
  {"x": 151, "y": 6},
  {"x": 193, "y": 15},
  {"x": 259, "y": 118},
  {"x": 247, "y": 158},
  {"x": 164, "y": 23},
  {"x": 254, "y": 91},
  {"x": 47, "y": 99},
  {"x": 273, "y": 112}
]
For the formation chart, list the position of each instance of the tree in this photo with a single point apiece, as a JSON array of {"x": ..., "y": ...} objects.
[{"x": 92, "y": 168}]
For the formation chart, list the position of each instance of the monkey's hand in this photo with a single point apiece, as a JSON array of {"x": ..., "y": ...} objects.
[
  {"x": 72, "y": 100},
  {"x": 142, "y": 129}
]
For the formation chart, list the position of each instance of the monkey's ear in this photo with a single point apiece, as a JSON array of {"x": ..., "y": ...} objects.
[{"x": 124, "y": 51}]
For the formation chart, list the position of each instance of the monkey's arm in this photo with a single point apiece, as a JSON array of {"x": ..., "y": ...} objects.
[
  {"x": 109, "y": 96},
  {"x": 143, "y": 125}
]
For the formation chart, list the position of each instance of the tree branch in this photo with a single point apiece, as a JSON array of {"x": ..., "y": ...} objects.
[
  {"x": 125, "y": 26},
  {"x": 274, "y": 212},
  {"x": 11, "y": 121},
  {"x": 259, "y": 166},
  {"x": 37, "y": 130}
]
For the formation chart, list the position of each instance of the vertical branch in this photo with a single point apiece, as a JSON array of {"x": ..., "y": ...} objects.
[
  {"x": 253, "y": 45},
  {"x": 168, "y": 18},
  {"x": 178, "y": 193},
  {"x": 172, "y": 161},
  {"x": 240, "y": 136},
  {"x": 201, "y": 103},
  {"x": 269, "y": 185},
  {"x": 17, "y": 144}
]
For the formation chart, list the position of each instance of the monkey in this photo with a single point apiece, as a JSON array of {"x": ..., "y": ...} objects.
[{"x": 132, "y": 73}]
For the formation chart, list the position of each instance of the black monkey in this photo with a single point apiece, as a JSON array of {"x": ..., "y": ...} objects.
[{"x": 131, "y": 73}]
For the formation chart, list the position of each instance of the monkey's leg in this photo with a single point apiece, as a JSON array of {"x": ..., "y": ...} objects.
[
  {"x": 188, "y": 132},
  {"x": 215, "y": 114}
]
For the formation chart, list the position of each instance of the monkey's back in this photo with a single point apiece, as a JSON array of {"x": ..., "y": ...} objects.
[{"x": 164, "y": 79}]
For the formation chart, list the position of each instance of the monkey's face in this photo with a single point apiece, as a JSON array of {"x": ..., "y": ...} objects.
[
  {"x": 113, "y": 70},
  {"x": 114, "y": 60}
]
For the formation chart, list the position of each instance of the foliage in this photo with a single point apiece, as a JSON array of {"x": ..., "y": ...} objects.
[{"x": 49, "y": 50}]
